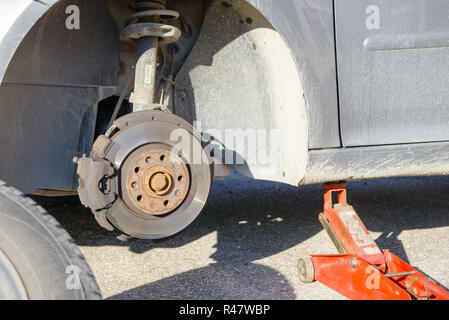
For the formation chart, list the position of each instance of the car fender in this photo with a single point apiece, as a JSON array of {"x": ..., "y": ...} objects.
[{"x": 17, "y": 17}]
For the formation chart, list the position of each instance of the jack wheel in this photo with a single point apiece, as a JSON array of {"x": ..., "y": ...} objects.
[{"x": 306, "y": 270}]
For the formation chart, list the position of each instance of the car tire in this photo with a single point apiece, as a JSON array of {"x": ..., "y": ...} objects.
[{"x": 38, "y": 258}]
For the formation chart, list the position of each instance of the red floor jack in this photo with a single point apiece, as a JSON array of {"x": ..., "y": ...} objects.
[{"x": 362, "y": 271}]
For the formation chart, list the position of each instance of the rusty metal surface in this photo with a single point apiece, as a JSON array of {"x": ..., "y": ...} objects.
[{"x": 157, "y": 181}]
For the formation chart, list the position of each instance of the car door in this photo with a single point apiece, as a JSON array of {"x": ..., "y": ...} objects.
[{"x": 393, "y": 71}]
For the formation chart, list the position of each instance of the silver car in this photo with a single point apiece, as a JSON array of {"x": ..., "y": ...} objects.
[{"x": 137, "y": 106}]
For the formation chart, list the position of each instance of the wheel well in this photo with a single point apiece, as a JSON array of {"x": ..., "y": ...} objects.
[
  {"x": 57, "y": 77},
  {"x": 241, "y": 75}
]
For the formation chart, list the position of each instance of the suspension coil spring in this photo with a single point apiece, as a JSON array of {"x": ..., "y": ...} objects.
[{"x": 146, "y": 22}]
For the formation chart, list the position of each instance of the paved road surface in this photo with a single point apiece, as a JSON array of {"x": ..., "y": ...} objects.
[{"x": 247, "y": 242}]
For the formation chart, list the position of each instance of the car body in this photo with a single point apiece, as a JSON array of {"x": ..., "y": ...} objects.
[{"x": 356, "y": 89}]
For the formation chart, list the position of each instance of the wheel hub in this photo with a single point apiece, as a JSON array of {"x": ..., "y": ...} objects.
[
  {"x": 160, "y": 183},
  {"x": 157, "y": 180}
]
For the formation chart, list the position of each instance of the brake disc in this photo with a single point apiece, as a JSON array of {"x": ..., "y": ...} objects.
[{"x": 142, "y": 180}]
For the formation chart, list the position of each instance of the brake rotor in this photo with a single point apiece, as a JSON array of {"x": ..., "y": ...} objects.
[{"x": 137, "y": 180}]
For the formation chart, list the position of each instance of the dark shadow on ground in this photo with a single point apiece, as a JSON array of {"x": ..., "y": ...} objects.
[{"x": 257, "y": 219}]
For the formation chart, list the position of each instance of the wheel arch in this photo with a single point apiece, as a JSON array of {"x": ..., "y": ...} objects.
[
  {"x": 294, "y": 118},
  {"x": 18, "y": 17},
  {"x": 242, "y": 79},
  {"x": 50, "y": 102}
]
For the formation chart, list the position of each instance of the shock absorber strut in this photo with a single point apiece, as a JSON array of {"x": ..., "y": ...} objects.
[
  {"x": 146, "y": 27},
  {"x": 135, "y": 179}
]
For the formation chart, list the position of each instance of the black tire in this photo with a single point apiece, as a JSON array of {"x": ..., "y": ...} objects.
[{"x": 38, "y": 256}]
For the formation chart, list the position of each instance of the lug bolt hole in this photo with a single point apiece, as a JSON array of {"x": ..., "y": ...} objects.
[
  {"x": 162, "y": 158},
  {"x": 166, "y": 202},
  {"x": 180, "y": 178},
  {"x": 136, "y": 170},
  {"x": 139, "y": 198},
  {"x": 147, "y": 160}
]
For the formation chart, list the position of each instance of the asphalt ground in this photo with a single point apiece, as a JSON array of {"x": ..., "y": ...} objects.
[{"x": 247, "y": 242}]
